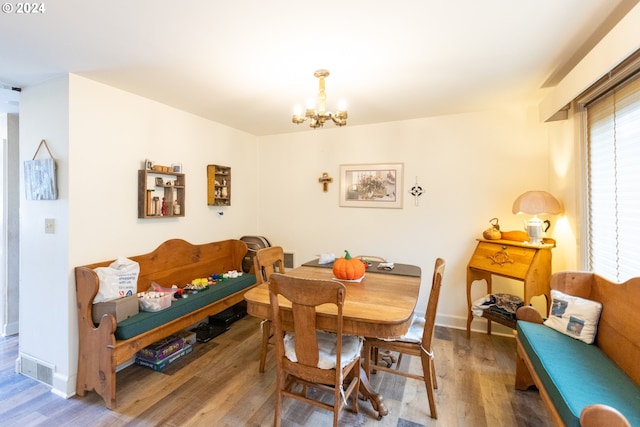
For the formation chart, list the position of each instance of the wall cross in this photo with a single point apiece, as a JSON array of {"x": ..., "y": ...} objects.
[{"x": 325, "y": 179}]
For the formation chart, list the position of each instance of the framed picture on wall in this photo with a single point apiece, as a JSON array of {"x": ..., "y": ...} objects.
[{"x": 377, "y": 185}]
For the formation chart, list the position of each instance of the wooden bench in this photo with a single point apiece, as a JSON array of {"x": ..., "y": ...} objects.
[
  {"x": 173, "y": 262},
  {"x": 593, "y": 384}
]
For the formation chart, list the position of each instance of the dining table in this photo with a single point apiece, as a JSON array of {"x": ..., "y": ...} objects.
[{"x": 380, "y": 305}]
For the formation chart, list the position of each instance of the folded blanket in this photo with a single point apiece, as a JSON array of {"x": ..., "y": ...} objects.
[{"x": 502, "y": 304}]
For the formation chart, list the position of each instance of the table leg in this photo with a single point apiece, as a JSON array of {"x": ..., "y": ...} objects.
[{"x": 377, "y": 401}]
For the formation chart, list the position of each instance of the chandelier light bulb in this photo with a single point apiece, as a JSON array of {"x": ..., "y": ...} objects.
[{"x": 311, "y": 104}]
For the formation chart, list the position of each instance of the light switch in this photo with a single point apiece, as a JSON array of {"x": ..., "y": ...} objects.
[{"x": 49, "y": 225}]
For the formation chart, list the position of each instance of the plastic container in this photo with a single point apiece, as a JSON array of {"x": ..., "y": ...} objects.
[{"x": 154, "y": 301}]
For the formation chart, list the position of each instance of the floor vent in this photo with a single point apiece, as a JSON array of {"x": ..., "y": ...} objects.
[
  {"x": 288, "y": 260},
  {"x": 36, "y": 369}
]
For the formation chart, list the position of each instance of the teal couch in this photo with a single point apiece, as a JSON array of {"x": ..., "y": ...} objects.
[{"x": 577, "y": 380}]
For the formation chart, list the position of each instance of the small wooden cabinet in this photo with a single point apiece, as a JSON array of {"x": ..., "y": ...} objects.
[
  {"x": 218, "y": 185},
  {"x": 515, "y": 260},
  {"x": 160, "y": 194}
]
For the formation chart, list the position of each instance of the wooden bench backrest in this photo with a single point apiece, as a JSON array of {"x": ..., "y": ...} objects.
[
  {"x": 178, "y": 262},
  {"x": 619, "y": 327}
]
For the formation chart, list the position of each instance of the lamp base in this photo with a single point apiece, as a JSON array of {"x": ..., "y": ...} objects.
[{"x": 535, "y": 230}]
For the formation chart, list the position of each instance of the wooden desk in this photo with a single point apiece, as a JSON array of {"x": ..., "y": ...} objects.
[
  {"x": 380, "y": 306},
  {"x": 515, "y": 260}
]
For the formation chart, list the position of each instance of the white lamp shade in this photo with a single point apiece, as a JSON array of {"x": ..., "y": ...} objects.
[{"x": 536, "y": 202}]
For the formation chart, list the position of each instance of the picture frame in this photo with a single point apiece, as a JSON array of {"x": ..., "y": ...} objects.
[
  {"x": 176, "y": 167},
  {"x": 40, "y": 182},
  {"x": 148, "y": 164},
  {"x": 159, "y": 182},
  {"x": 374, "y": 185}
]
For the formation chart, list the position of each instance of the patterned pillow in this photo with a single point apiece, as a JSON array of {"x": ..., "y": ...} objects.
[{"x": 574, "y": 316}]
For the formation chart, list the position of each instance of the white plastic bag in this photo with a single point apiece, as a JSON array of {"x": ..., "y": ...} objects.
[{"x": 118, "y": 280}]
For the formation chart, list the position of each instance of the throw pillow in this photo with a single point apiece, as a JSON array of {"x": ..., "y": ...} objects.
[{"x": 574, "y": 316}]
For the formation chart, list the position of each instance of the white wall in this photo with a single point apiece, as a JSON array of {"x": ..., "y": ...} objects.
[
  {"x": 3, "y": 231},
  {"x": 567, "y": 165},
  {"x": 46, "y": 308},
  {"x": 112, "y": 133},
  {"x": 100, "y": 137},
  {"x": 471, "y": 166}
]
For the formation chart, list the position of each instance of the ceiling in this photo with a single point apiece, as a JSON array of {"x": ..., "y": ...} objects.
[{"x": 247, "y": 63}]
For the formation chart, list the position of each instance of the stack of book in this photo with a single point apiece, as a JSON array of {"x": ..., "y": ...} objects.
[{"x": 161, "y": 354}]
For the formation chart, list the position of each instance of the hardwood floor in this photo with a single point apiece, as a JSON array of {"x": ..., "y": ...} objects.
[{"x": 219, "y": 385}]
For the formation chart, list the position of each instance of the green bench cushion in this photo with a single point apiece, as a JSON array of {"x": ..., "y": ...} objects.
[
  {"x": 147, "y": 320},
  {"x": 576, "y": 374}
]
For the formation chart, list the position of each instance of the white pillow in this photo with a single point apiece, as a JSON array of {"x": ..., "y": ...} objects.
[{"x": 574, "y": 316}]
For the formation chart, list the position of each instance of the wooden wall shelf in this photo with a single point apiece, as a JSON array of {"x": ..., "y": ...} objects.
[
  {"x": 156, "y": 187},
  {"x": 218, "y": 185}
]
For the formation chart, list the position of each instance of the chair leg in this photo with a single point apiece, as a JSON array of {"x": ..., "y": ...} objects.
[
  {"x": 337, "y": 404},
  {"x": 429, "y": 379},
  {"x": 433, "y": 372},
  {"x": 280, "y": 384},
  {"x": 367, "y": 349},
  {"x": 399, "y": 360},
  {"x": 374, "y": 354},
  {"x": 266, "y": 334}
]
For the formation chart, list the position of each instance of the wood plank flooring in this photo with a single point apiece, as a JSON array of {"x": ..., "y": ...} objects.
[{"x": 219, "y": 385}]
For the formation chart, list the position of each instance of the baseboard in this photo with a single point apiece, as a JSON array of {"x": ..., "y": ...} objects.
[
  {"x": 479, "y": 324},
  {"x": 10, "y": 329},
  {"x": 63, "y": 385}
]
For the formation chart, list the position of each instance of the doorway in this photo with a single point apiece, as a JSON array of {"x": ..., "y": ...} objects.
[{"x": 10, "y": 234}]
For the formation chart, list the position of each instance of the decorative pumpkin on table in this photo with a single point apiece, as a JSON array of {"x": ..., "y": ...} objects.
[{"x": 348, "y": 268}]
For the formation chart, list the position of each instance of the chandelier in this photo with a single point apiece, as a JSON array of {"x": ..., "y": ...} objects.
[{"x": 318, "y": 117}]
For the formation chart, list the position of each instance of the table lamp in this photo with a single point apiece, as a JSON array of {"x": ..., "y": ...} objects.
[{"x": 536, "y": 203}]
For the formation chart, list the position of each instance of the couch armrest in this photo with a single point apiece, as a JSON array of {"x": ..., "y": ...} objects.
[
  {"x": 602, "y": 415},
  {"x": 529, "y": 314}
]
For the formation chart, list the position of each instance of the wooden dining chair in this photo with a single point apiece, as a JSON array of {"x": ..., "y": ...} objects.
[
  {"x": 307, "y": 357},
  {"x": 266, "y": 262},
  {"x": 417, "y": 342}
]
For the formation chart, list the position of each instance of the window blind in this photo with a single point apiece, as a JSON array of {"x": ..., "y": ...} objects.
[{"x": 613, "y": 199}]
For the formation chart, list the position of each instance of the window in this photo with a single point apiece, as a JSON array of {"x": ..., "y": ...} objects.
[{"x": 613, "y": 173}]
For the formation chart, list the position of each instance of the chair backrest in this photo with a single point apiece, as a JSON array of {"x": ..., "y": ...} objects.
[
  {"x": 305, "y": 295},
  {"x": 268, "y": 261},
  {"x": 432, "y": 306}
]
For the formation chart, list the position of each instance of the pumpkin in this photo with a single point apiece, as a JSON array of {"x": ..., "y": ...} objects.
[
  {"x": 348, "y": 268},
  {"x": 492, "y": 233}
]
